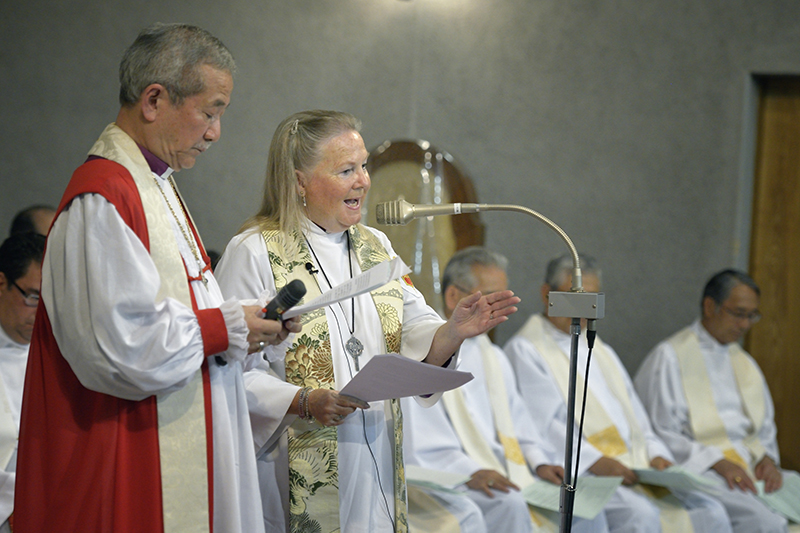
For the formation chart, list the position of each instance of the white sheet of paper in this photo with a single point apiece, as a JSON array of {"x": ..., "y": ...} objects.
[
  {"x": 674, "y": 477},
  {"x": 375, "y": 277},
  {"x": 393, "y": 376},
  {"x": 591, "y": 495},
  {"x": 786, "y": 500},
  {"x": 434, "y": 479}
]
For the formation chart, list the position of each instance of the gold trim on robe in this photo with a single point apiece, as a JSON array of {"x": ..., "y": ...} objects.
[
  {"x": 313, "y": 449},
  {"x": 706, "y": 423},
  {"x": 184, "y": 462}
]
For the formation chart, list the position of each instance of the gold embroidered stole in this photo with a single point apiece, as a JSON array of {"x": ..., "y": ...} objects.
[
  {"x": 313, "y": 449},
  {"x": 515, "y": 467},
  {"x": 184, "y": 468},
  {"x": 476, "y": 446},
  {"x": 705, "y": 420},
  {"x": 427, "y": 514},
  {"x": 599, "y": 429}
]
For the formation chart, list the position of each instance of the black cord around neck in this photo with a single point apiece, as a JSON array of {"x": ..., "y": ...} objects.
[{"x": 350, "y": 329}]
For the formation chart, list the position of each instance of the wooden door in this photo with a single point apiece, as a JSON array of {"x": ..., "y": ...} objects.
[{"x": 775, "y": 255}]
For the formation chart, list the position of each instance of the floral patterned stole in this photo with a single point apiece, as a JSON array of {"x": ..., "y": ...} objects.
[{"x": 313, "y": 449}]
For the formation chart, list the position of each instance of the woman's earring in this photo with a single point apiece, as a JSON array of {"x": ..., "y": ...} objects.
[{"x": 303, "y": 196}]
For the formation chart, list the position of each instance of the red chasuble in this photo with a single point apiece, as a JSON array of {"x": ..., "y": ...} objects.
[{"x": 87, "y": 461}]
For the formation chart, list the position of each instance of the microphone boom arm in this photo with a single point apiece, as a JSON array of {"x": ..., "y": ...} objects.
[
  {"x": 400, "y": 213},
  {"x": 576, "y": 304},
  {"x": 577, "y": 280}
]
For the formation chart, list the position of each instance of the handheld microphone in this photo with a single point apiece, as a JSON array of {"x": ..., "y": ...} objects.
[
  {"x": 400, "y": 212},
  {"x": 286, "y": 298}
]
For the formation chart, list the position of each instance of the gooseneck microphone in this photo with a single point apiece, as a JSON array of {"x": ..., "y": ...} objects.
[
  {"x": 400, "y": 212},
  {"x": 286, "y": 298},
  {"x": 576, "y": 304}
]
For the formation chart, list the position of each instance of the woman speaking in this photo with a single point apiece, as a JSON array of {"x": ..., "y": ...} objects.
[{"x": 322, "y": 465}]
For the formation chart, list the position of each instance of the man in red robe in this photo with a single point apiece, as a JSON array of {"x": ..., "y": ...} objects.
[{"x": 134, "y": 416}]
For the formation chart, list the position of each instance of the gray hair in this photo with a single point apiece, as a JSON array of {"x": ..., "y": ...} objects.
[
  {"x": 296, "y": 145},
  {"x": 719, "y": 287},
  {"x": 458, "y": 271},
  {"x": 560, "y": 268},
  {"x": 170, "y": 55}
]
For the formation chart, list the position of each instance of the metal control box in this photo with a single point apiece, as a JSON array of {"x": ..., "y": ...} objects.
[{"x": 590, "y": 305}]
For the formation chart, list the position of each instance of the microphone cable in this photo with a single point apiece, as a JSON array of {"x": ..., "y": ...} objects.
[
  {"x": 364, "y": 431},
  {"x": 363, "y": 414},
  {"x": 591, "y": 334}
]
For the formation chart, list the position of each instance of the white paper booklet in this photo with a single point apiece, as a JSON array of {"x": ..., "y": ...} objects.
[
  {"x": 394, "y": 376},
  {"x": 375, "y": 277}
]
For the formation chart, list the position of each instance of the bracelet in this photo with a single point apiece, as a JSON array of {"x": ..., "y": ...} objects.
[
  {"x": 305, "y": 410},
  {"x": 308, "y": 405},
  {"x": 301, "y": 402}
]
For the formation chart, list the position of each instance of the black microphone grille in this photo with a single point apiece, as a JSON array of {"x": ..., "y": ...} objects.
[{"x": 292, "y": 293}]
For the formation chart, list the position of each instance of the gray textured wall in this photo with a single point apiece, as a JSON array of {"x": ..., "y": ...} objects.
[{"x": 629, "y": 123}]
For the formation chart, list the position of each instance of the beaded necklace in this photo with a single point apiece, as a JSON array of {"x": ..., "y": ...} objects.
[{"x": 200, "y": 264}]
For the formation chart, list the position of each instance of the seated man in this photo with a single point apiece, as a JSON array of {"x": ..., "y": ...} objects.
[
  {"x": 20, "y": 279},
  {"x": 482, "y": 429},
  {"x": 617, "y": 436},
  {"x": 33, "y": 219},
  {"x": 708, "y": 401}
]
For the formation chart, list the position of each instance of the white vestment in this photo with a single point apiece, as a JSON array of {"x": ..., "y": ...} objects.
[
  {"x": 432, "y": 442},
  {"x": 13, "y": 360},
  {"x": 660, "y": 386},
  {"x": 144, "y": 348},
  {"x": 366, "y": 467},
  {"x": 627, "y": 510}
]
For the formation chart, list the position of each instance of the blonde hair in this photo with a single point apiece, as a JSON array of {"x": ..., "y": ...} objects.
[{"x": 296, "y": 145}]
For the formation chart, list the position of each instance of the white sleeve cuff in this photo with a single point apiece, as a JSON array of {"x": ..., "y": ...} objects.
[{"x": 233, "y": 314}]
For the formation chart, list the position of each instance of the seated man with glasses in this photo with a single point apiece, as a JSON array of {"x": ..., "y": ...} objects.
[
  {"x": 709, "y": 402},
  {"x": 20, "y": 277}
]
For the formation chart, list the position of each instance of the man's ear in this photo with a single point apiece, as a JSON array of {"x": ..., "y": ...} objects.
[
  {"x": 709, "y": 307},
  {"x": 451, "y": 298},
  {"x": 4, "y": 284},
  {"x": 154, "y": 97},
  {"x": 545, "y": 291}
]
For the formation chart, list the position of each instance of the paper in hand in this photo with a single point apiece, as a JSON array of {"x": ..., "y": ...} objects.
[
  {"x": 375, "y": 277},
  {"x": 393, "y": 376}
]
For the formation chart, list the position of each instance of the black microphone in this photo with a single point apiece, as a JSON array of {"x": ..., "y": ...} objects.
[
  {"x": 310, "y": 268},
  {"x": 286, "y": 298}
]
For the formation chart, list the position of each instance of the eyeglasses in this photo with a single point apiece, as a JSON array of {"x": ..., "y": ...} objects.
[
  {"x": 31, "y": 299},
  {"x": 753, "y": 317}
]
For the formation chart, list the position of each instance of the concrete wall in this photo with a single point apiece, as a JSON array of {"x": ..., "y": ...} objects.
[{"x": 628, "y": 123}]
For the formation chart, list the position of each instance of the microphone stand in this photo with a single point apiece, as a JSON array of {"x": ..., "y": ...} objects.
[{"x": 575, "y": 304}]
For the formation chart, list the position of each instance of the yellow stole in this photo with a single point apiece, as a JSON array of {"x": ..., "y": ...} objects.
[
  {"x": 313, "y": 449},
  {"x": 476, "y": 446},
  {"x": 426, "y": 514},
  {"x": 515, "y": 467},
  {"x": 706, "y": 423},
  {"x": 184, "y": 468},
  {"x": 598, "y": 427}
]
